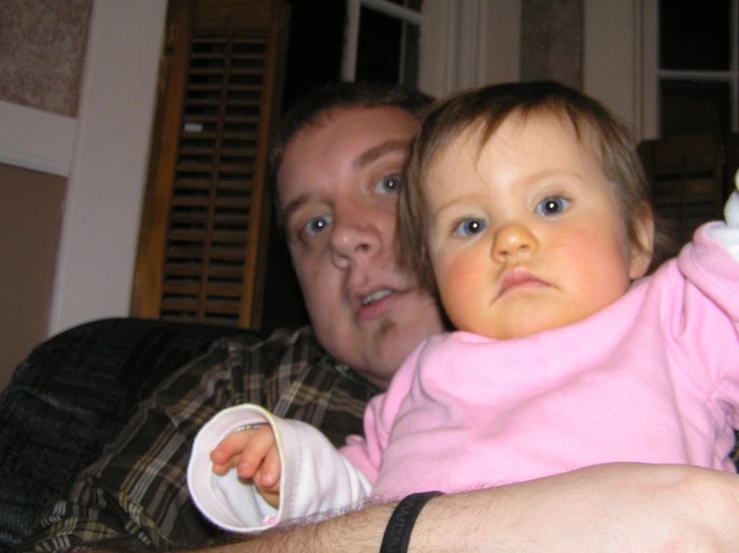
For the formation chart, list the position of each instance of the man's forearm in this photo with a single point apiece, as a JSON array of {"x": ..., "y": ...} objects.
[
  {"x": 607, "y": 508},
  {"x": 610, "y": 508},
  {"x": 358, "y": 532}
]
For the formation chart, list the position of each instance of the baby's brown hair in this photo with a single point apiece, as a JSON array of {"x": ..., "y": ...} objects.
[{"x": 597, "y": 129}]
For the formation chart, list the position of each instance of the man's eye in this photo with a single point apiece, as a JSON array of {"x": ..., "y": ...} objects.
[
  {"x": 388, "y": 184},
  {"x": 470, "y": 227},
  {"x": 554, "y": 205},
  {"x": 316, "y": 225}
]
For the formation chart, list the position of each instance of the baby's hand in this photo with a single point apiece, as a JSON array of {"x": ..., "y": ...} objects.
[
  {"x": 254, "y": 454},
  {"x": 728, "y": 234}
]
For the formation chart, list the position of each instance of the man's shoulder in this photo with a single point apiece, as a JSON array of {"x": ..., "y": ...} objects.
[
  {"x": 279, "y": 339},
  {"x": 283, "y": 351},
  {"x": 289, "y": 356}
]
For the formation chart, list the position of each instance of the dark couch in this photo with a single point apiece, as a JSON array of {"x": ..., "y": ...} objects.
[{"x": 71, "y": 397}]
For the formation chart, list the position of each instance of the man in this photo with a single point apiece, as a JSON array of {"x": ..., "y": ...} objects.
[{"x": 338, "y": 160}]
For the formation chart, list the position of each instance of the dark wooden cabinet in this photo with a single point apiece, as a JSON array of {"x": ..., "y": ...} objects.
[
  {"x": 204, "y": 229},
  {"x": 691, "y": 177}
]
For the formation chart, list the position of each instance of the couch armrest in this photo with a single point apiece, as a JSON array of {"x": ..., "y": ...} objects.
[{"x": 72, "y": 396}]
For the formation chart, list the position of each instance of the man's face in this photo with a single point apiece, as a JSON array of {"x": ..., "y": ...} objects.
[{"x": 338, "y": 187}]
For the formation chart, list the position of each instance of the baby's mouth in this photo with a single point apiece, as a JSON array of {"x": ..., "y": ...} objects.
[{"x": 517, "y": 278}]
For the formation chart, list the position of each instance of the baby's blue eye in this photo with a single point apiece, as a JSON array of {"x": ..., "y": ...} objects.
[
  {"x": 553, "y": 205},
  {"x": 388, "y": 184},
  {"x": 470, "y": 227},
  {"x": 316, "y": 225}
]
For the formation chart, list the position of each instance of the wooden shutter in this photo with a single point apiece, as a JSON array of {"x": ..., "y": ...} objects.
[
  {"x": 205, "y": 221},
  {"x": 688, "y": 178}
]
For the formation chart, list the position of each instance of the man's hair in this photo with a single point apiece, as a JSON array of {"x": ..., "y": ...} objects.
[
  {"x": 312, "y": 108},
  {"x": 596, "y": 128}
]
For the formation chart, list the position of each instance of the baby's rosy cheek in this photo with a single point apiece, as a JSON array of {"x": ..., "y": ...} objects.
[
  {"x": 460, "y": 284},
  {"x": 459, "y": 272}
]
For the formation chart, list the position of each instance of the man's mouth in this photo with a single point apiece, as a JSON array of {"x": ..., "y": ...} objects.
[{"x": 375, "y": 296}]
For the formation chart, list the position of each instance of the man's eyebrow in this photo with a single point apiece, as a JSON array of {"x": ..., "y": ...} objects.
[
  {"x": 293, "y": 206},
  {"x": 380, "y": 150}
]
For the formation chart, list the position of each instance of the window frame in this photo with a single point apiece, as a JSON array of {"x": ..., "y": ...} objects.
[
  {"x": 351, "y": 33},
  {"x": 653, "y": 74}
]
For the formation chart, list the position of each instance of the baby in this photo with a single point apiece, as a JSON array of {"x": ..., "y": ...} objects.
[{"x": 526, "y": 211}]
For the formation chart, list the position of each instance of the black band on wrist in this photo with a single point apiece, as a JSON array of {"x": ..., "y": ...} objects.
[{"x": 398, "y": 530}]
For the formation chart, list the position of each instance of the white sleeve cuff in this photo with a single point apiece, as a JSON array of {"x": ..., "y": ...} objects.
[
  {"x": 315, "y": 477},
  {"x": 227, "y": 501}
]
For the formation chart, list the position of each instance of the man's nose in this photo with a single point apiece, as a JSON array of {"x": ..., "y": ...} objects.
[
  {"x": 514, "y": 243},
  {"x": 355, "y": 237}
]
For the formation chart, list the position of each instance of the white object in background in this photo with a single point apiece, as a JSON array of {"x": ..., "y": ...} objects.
[
  {"x": 727, "y": 234},
  {"x": 731, "y": 210}
]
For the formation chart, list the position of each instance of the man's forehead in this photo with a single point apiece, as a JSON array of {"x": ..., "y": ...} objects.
[
  {"x": 353, "y": 135},
  {"x": 337, "y": 113},
  {"x": 378, "y": 116}
]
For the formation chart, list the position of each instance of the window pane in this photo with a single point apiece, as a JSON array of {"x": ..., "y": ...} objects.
[
  {"x": 411, "y": 55},
  {"x": 314, "y": 47},
  {"x": 379, "y": 47},
  {"x": 690, "y": 107},
  {"x": 695, "y": 35}
]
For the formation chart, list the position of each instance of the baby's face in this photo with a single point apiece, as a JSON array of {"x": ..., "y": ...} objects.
[{"x": 525, "y": 233}]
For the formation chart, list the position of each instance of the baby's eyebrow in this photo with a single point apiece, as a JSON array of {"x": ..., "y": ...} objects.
[
  {"x": 375, "y": 153},
  {"x": 451, "y": 203}
]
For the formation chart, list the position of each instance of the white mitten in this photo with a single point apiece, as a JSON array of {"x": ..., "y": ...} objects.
[{"x": 728, "y": 234}]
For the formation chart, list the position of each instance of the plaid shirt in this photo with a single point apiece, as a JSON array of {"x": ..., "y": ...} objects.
[{"x": 138, "y": 490}]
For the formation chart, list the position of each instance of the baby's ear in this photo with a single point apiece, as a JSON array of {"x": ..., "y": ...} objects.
[{"x": 642, "y": 248}]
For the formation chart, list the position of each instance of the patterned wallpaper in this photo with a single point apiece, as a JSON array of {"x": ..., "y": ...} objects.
[
  {"x": 42, "y": 50},
  {"x": 552, "y": 41}
]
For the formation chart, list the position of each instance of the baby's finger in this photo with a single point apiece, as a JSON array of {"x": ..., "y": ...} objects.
[
  {"x": 269, "y": 473},
  {"x": 222, "y": 468},
  {"x": 273, "y": 498},
  {"x": 230, "y": 446},
  {"x": 261, "y": 441},
  {"x": 267, "y": 478}
]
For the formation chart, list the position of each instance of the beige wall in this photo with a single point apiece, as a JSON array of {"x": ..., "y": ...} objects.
[{"x": 30, "y": 215}]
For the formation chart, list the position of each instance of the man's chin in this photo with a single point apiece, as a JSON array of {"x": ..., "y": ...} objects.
[
  {"x": 382, "y": 351},
  {"x": 378, "y": 349},
  {"x": 391, "y": 347}
]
